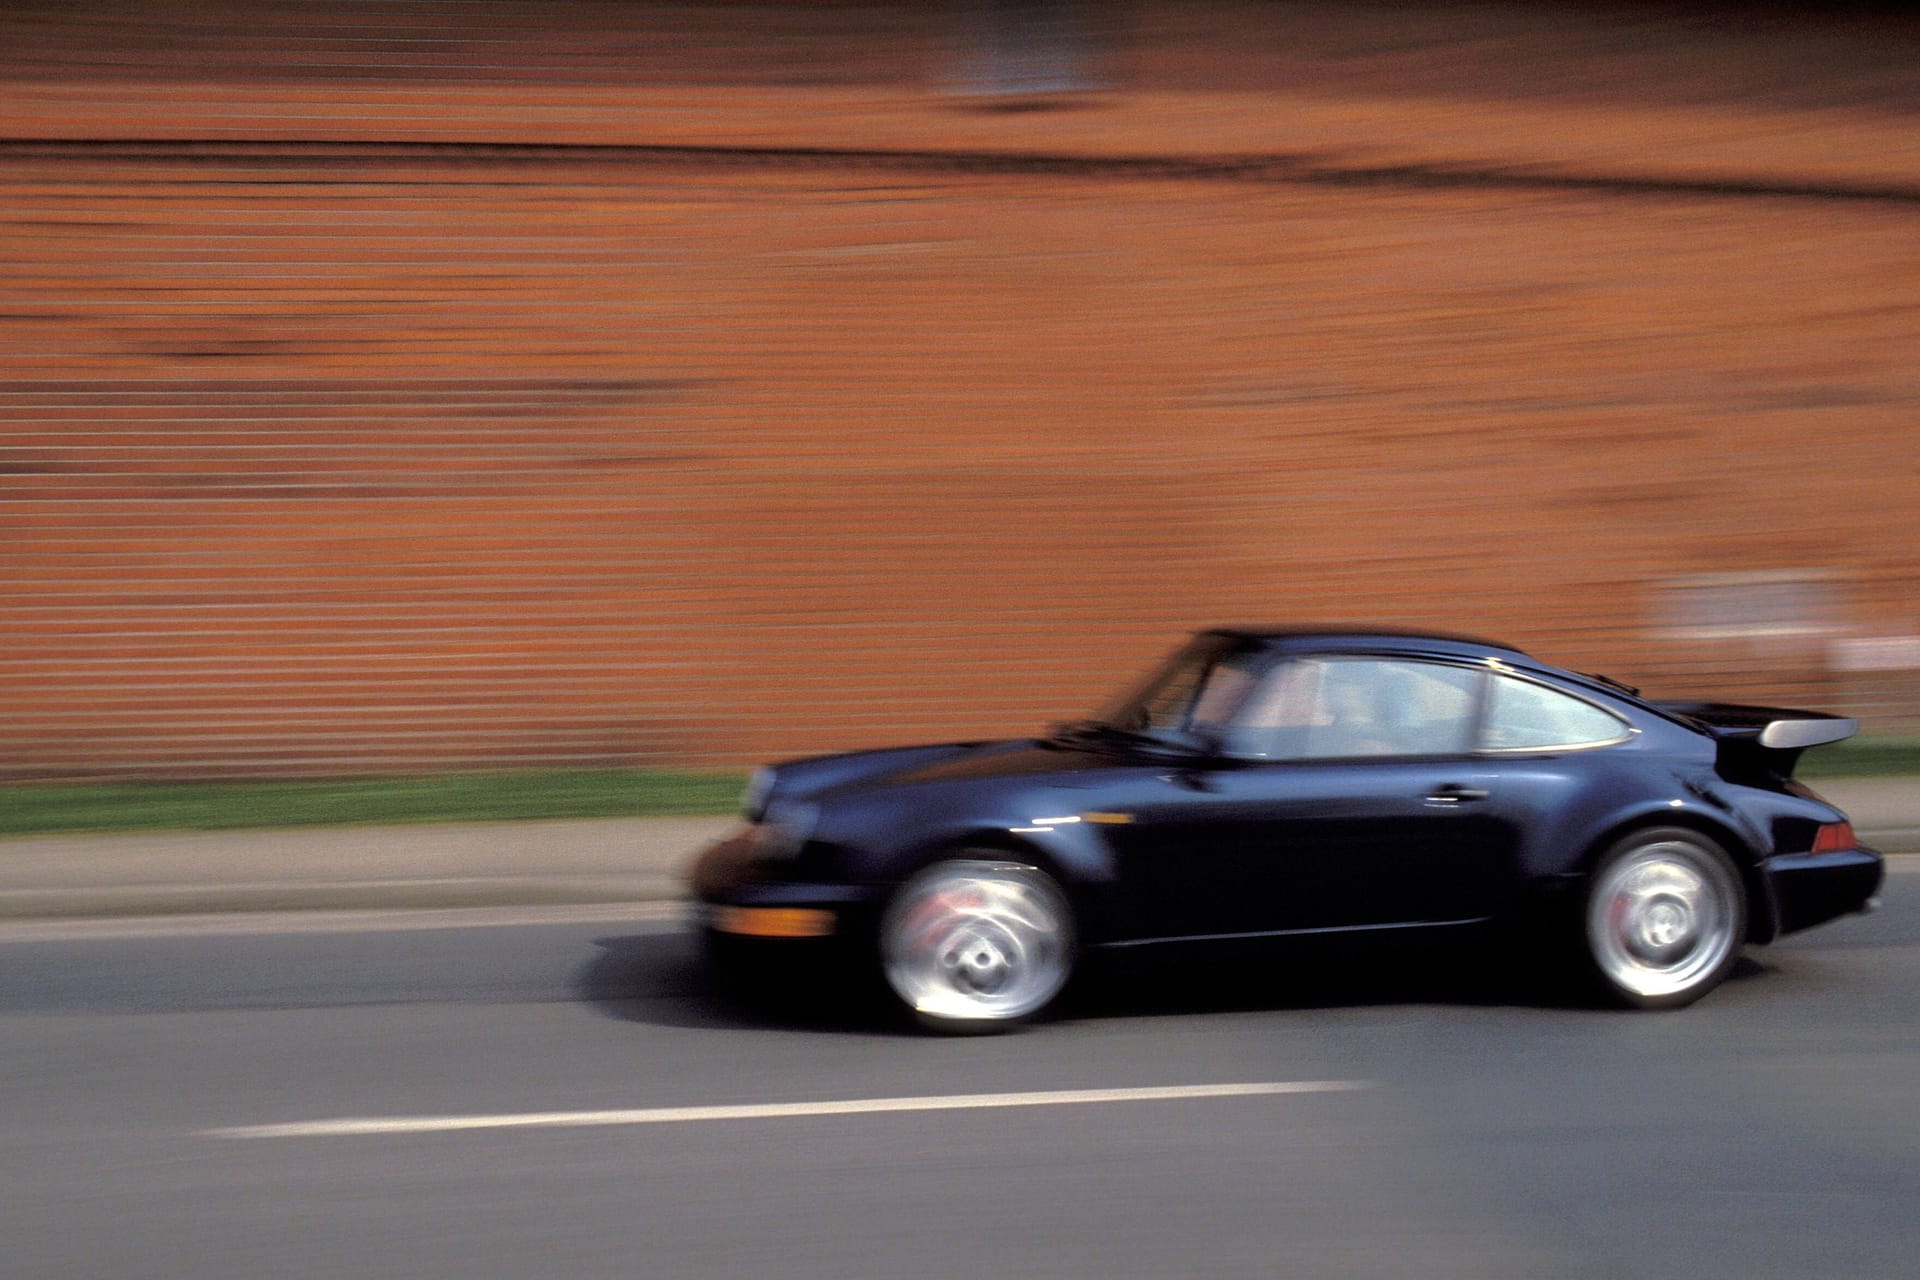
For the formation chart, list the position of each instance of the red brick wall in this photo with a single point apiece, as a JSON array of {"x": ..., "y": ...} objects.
[{"x": 340, "y": 431}]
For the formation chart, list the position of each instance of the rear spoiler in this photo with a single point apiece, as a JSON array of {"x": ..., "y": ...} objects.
[{"x": 1767, "y": 738}]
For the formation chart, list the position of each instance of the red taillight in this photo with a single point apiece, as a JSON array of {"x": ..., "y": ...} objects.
[{"x": 1834, "y": 837}]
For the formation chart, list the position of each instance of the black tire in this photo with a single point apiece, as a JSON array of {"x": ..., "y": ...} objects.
[
  {"x": 977, "y": 943},
  {"x": 1665, "y": 915}
]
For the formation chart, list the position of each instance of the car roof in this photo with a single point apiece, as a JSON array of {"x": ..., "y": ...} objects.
[{"x": 1385, "y": 639}]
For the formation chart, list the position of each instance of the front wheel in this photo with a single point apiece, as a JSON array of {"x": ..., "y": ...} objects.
[
  {"x": 977, "y": 945},
  {"x": 1665, "y": 917}
]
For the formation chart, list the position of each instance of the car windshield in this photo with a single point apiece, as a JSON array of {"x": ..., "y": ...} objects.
[{"x": 1199, "y": 687}]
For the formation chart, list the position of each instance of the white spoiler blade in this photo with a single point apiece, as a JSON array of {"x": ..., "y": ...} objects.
[{"x": 1793, "y": 735}]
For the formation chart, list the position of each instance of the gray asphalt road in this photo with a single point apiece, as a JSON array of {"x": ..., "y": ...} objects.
[{"x": 1773, "y": 1130}]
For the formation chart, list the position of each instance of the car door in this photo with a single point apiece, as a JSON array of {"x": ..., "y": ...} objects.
[{"x": 1347, "y": 796}]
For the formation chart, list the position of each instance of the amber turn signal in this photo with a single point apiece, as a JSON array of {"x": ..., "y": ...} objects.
[{"x": 773, "y": 922}]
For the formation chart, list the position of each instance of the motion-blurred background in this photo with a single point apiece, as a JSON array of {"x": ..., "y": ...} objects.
[{"x": 429, "y": 384}]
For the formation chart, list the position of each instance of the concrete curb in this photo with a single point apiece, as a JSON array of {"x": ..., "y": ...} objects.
[{"x": 346, "y": 895}]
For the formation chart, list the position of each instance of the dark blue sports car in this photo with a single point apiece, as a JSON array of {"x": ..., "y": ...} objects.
[{"x": 1290, "y": 781}]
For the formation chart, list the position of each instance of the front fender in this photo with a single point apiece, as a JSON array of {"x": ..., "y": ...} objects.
[{"x": 884, "y": 839}]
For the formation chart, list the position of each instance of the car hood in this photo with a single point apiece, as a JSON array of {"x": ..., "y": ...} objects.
[
  {"x": 1022, "y": 758},
  {"x": 1026, "y": 758}
]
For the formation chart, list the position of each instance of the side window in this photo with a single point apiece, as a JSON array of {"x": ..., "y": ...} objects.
[
  {"x": 1333, "y": 708},
  {"x": 1522, "y": 715}
]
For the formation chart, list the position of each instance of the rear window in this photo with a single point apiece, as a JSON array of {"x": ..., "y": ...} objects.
[{"x": 1524, "y": 716}]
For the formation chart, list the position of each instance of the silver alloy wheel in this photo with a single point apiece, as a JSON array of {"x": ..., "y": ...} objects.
[
  {"x": 971, "y": 943},
  {"x": 1665, "y": 915}
]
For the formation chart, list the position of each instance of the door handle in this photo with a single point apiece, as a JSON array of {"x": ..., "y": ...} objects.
[{"x": 1454, "y": 793}]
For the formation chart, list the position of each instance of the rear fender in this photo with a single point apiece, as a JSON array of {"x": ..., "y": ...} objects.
[{"x": 1763, "y": 914}]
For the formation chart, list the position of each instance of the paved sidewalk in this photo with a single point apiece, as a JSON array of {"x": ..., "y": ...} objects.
[
  {"x": 346, "y": 868},
  {"x": 616, "y": 860},
  {"x": 1886, "y": 811}
]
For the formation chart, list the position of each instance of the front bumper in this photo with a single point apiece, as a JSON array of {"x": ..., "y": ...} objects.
[
  {"x": 1811, "y": 888},
  {"x": 742, "y": 892}
]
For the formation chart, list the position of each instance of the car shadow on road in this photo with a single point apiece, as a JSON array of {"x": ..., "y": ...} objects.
[
  {"x": 666, "y": 979},
  {"x": 1276, "y": 978}
]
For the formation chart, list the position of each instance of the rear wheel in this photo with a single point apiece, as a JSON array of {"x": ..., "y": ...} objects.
[
  {"x": 1665, "y": 916},
  {"x": 976, "y": 943}
]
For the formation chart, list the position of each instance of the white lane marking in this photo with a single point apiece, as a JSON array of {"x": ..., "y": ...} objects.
[{"x": 348, "y": 1128}]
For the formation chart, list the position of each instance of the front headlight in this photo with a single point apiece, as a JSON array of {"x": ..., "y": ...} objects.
[
  {"x": 753, "y": 801},
  {"x": 784, "y": 829}
]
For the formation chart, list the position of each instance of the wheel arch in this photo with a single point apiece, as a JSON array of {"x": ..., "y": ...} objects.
[
  {"x": 1081, "y": 871},
  {"x": 1762, "y": 916},
  {"x": 1005, "y": 843}
]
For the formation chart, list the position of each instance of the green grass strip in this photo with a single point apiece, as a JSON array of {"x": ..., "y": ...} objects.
[
  {"x": 35, "y": 808},
  {"x": 1862, "y": 758}
]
